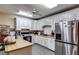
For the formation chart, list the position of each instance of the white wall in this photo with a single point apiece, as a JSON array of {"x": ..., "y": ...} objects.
[
  {"x": 6, "y": 19},
  {"x": 68, "y": 15}
]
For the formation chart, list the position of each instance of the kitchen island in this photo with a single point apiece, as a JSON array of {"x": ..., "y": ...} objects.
[{"x": 21, "y": 47}]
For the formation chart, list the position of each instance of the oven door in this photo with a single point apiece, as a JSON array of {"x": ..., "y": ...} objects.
[{"x": 28, "y": 38}]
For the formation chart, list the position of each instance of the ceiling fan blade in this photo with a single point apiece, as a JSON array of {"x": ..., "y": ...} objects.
[{"x": 36, "y": 12}]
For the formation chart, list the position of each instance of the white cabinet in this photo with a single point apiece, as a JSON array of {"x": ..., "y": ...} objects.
[
  {"x": 33, "y": 39},
  {"x": 34, "y": 24},
  {"x": 48, "y": 42},
  {"x": 45, "y": 43},
  {"x": 24, "y": 23},
  {"x": 39, "y": 39},
  {"x": 42, "y": 22},
  {"x": 51, "y": 44},
  {"x": 42, "y": 41}
]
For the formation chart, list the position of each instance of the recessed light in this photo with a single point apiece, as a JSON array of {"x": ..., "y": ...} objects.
[{"x": 50, "y": 5}]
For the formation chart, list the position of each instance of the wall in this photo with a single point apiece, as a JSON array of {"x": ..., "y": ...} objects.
[
  {"x": 68, "y": 15},
  {"x": 6, "y": 19}
]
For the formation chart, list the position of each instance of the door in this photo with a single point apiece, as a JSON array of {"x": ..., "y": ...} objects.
[
  {"x": 69, "y": 32},
  {"x": 66, "y": 32},
  {"x": 58, "y": 48},
  {"x": 65, "y": 49},
  {"x": 58, "y": 28},
  {"x": 69, "y": 49}
]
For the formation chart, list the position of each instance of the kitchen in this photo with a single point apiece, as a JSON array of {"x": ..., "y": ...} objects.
[{"x": 38, "y": 31}]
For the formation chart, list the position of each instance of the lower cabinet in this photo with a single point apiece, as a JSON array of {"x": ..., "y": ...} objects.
[
  {"x": 34, "y": 39},
  {"x": 44, "y": 41},
  {"x": 51, "y": 44}
]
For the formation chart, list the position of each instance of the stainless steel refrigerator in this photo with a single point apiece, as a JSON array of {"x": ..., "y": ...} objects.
[{"x": 67, "y": 38}]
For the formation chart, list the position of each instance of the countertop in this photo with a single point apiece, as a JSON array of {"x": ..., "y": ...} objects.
[
  {"x": 44, "y": 36},
  {"x": 20, "y": 43},
  {"x": 40, "y": 36}
]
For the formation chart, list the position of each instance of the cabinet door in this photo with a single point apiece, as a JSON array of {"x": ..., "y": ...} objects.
[
  {"x": 33, "y": 39},
  {"x": 42, "y": 41},
  {"x": 45, "y": 42},
  {"x": 39, "y": 40},
  {"x": 51, "y": 44}
]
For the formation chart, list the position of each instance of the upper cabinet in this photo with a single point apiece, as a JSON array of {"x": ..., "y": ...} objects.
[
  {"x": 40, "y": 23},
  {"x": 23, "y": 23},
  {"x": 34, "y": 24}
]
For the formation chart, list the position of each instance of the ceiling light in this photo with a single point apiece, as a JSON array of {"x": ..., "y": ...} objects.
[
  {"x": 24, "y": 13},
  {"x": 50, "y": 5}
]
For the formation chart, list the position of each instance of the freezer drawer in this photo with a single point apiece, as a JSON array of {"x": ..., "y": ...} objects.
[
  {"x": 69, "y": 49},
  {"x": 58, "y": 48},
  {"x": 65, "y": 49}
]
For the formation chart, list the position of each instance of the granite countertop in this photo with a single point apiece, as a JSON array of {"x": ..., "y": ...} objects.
[
  {"x": 47, "y": 36},
  {"x": 44, "y": 36}
]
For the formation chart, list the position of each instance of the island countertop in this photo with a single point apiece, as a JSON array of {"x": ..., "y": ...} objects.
[{"x": 20, "y": 43}]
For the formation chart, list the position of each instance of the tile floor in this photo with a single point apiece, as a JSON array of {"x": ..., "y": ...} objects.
[{"x": 40, "y": 50}]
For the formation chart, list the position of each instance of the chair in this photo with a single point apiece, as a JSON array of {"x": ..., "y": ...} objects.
[{"x": 1, "y": 41}]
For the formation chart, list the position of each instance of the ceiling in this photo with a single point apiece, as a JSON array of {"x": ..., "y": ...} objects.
[{"x": 13, "y": 8}]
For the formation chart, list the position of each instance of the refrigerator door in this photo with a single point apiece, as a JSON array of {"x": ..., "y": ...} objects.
[
  {"x": 58, "y": 48},
  {"x": 57, "y": 28},
  {"x": 65, "y": 30},
  {"x": 69, "y": 32},
  {"x": 69, "y": 49},
  {"x": 75, "y": 31}
]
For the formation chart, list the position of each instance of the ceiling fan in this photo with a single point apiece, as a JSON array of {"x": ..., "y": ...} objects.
[{"x": 36, "y": 12}]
